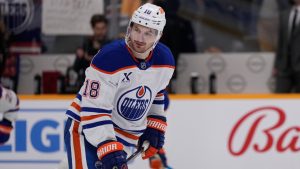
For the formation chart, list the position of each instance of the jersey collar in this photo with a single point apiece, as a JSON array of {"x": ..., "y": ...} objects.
[{"x": 141, "y": 63}]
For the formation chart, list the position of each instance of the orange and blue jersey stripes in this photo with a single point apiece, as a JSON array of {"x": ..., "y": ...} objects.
[
  {"x": 96, "y": 124},
  {"x": 130, "y": 131},
  {"x": 126, "y": 143},
  {"x": 162, "y": 98},
  {"x": 159, "y": 98},
  {"x": 75, "y": 110},
  {"x": 92, "y": 117},
  {"x": 126, "y": 134},
  {"x": 73, "y": 144},
  {"x": 126, "y": 138},
  {"x": 160, "y": 93},
  {"x": 89, "y": 120},
  {"x": 77, "y": 147},
  {"x": 82, "y": 110}
]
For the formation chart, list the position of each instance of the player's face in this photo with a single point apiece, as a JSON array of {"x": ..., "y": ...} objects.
[{"x": 142, "y": 38}]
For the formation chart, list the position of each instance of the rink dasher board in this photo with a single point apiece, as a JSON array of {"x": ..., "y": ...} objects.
[{"x": 205, "y": 126}]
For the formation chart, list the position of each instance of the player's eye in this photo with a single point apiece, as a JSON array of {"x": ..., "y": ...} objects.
[
  {"x": 136, "y": 29},
  {"x": 149, "y": 34}
]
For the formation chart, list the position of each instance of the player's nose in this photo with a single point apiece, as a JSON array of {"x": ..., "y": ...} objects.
[{"x": 140, "y": 38}]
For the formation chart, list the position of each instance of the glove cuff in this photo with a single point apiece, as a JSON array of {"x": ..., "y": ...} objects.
[
  {"x": 109, "y": 147},
  {"x": 5, "y": 126},
  {"x": 161, "y": 151},
  {"x": 150, "y": 152},
  {"x": 157, "y": 124}
]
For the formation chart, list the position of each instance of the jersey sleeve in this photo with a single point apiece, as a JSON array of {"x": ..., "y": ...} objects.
[
  {"x": 97, "y": 94},
  {"x": 157, "y": 107},
  {"x": 9, "y": 104},
  {"x": 167, "y": 60}
]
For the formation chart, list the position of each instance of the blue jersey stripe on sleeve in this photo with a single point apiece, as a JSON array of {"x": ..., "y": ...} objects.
[
  {"x": 135, "y": 131},
  {"x": 96, "y": 124},
  {"x": 79, "y": 97},
  {"x": 13, "y": 110},
  {"x": 162, "y": 91},
  {"x": 95, "y": 110},
  {"x": 72, "y": 114},
  {"x": 158, "y": 102}
]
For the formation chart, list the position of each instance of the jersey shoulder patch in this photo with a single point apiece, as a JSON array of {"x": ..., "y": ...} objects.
[{"x": 112, "y": 58}]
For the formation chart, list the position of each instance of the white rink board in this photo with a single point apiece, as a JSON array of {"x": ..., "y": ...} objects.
[
  {"x": 199, "y": 130},
  {"x": 236, "y": 72},
  {"x": 197, "y": 136}
]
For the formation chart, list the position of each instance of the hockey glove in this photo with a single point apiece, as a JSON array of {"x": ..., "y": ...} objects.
[
  {"x": 112, "y": 155},
  {"x": 159, "y": 160},
  {"x": 5, "y": 129},
  {"x": 154, "y": 134}
]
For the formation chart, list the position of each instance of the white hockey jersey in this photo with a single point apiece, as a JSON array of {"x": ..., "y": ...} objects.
[
  {"x": 119, "y": 93},
  {"x": 9, "y": 104}
]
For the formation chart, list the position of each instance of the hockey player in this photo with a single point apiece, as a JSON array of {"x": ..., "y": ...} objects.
[
  {"x": 121, "y": 104},
  {"x": 9, "y": 105}
]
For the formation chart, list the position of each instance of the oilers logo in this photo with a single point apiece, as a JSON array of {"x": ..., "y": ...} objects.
[
  {"x": 133, "y": 104},
  {"x": 17, "y": 14}
]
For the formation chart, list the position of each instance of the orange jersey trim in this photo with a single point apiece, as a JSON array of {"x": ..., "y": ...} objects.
[
  {"x": 160, "y": 94},
  {"x": 163, "y": 66},
  {"x": 76, "y": 106},
  {"x": 77, "y": 150},
  {"x": 131, "y": 136},
  {"x": 113, "y": 72},
  {"x": 5, "y": 129}
]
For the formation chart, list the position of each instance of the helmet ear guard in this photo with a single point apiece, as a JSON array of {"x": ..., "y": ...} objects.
[{"x": 151, "y": 16}]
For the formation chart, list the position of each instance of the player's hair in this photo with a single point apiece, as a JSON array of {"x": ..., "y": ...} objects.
[
  {"x": 98, "y": 18},
  {"x": 132, "y": 23}
]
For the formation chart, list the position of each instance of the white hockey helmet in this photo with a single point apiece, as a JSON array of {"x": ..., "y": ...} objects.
[{"x": 151, "y": 16}]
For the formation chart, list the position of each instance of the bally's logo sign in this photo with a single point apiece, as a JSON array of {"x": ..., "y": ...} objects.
[
  {"x": 262, "y": 130},
  {"x": 16, "y": 14},
  {"x": 133, "y": 104}
]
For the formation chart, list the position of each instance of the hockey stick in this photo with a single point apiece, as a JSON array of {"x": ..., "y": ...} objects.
[{"x": 145, "y": 146}]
